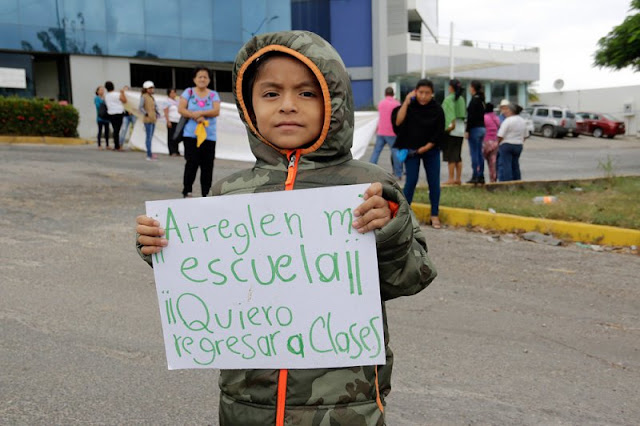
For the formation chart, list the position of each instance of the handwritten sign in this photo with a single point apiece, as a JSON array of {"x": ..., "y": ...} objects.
[{"x": 270, "y": 280}]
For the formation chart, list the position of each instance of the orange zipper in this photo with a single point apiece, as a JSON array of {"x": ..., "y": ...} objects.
[
  {"x": 282, "y": 396},
  {"x": 292, "y": 171}
]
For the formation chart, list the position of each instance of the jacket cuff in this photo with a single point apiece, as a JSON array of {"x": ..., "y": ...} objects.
[
  {"x": 145, "y": 257},
  {"x": 398, "y": 233}
]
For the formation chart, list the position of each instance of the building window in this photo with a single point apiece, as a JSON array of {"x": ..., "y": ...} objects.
[
  {"x": 161, "y": 76},
  {"x": 176, "y": 77},
  {"x": 312, "y": 15},
  {"x": 498, "y": 92},
  {"x": 513, "y": 93}
]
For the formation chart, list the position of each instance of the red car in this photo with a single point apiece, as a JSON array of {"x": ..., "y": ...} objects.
[{"x": 600, "y": 125}]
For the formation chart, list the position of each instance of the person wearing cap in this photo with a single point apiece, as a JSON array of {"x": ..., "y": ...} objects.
[
  {"x": 148, "y": 108},
  {"x": 511, "y": 137}
]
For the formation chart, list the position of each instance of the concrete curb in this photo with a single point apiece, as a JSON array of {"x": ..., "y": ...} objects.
[
  {"x": 574, "y": 231},
  {"x": 47, "y": 140}
]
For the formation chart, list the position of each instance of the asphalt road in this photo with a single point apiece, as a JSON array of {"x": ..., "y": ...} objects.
[
  {"x": 511, "y": 332},
  {"x": 566, "y": 158}
]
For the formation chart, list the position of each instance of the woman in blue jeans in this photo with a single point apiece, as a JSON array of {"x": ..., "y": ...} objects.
[
  {"x": 419, "y": 124},
  {"x": 475, "y": 131}
]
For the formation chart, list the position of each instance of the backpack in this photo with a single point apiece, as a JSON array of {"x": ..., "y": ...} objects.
[{"x": 103, "y": 114}]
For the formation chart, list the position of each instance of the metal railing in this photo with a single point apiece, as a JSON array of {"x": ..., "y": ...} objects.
[{"x": 444, "y": 40}]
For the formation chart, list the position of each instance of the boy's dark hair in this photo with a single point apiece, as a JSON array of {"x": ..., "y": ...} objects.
[
  {"x": 388, "y": 91},
  {"x": 488, "y": 107},
  {"x": 109, "y": 86},
  {"x": 250, "y": 76},
  {"x": 199, "y": 68},
  {"x": 424, "y": 82}
]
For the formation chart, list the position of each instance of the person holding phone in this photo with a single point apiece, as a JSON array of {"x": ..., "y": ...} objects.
[{"x": 421, "y": 130}]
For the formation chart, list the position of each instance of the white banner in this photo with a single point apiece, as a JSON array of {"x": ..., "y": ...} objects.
[
  {"x": 233, "y": 143},
  {"x": 269, "y": 280},
  {"x": 15, "y": 78}
]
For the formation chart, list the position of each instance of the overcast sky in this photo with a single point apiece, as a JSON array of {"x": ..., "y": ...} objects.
[{"x": 566, "y": 31}]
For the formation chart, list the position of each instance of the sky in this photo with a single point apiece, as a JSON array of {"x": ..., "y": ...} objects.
[{"x": 566, "y": 31}]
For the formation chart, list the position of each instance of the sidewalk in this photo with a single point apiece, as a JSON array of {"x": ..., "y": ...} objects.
[
  {"x": 48, "y": 140},
  {"x": 573, "y": 231}
]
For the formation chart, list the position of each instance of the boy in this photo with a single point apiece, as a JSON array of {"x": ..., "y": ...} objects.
[{"x": 294, "y": 95}]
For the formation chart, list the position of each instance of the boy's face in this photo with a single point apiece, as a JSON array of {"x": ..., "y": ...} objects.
[{"x": 287, "y": 103}]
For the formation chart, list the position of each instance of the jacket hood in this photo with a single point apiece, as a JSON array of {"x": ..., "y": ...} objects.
[{"x": 334, "y": 143}]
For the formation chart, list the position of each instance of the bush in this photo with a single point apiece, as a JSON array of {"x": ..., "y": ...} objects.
[{"x": 37, "y": 117}]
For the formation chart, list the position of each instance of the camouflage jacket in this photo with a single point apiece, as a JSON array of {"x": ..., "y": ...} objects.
[
  {"x": 329, "y": 396},
  {"x": 341, "y": 396}
]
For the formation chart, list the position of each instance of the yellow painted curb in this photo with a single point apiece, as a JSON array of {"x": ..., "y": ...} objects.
[
  {"x": 48, "y": 140},
  {"x": 574, "y": 231}
]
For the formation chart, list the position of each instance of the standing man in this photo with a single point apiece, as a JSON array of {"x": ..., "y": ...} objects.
[{"x": 385, "y": 134}]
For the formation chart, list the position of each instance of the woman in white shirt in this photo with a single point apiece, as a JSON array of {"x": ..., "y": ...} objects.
[
  {"x": 511, "y": 139},
  {"x": 115, "y": 108}
]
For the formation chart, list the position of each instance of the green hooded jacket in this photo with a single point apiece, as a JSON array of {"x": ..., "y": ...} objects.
[{"x": 328, "y": 396}]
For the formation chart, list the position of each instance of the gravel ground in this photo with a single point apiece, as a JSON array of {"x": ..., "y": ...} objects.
[{"x": 511, "y": 332}]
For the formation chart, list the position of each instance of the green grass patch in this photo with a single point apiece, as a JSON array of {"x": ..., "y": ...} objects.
[{"x": 613, "y": 201}]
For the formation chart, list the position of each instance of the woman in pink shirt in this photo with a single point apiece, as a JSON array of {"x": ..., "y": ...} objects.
[{"x": 490, "y": 142}]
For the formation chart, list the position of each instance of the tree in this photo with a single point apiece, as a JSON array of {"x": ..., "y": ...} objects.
[{"x": 621, "y": 47}]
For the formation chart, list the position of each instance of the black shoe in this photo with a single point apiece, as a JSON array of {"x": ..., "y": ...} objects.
[
  {"x": 480, "y": 180},
  {"x": 474, "y": 180}
]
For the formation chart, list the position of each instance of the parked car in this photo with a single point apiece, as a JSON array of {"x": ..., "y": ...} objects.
[
  {"x": 552, "y": 121},
  {"x": 528, "y": 121},
  {"x": 599, "y": 125}
]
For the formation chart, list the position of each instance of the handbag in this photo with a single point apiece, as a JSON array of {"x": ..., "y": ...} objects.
[
  {"x": 405, "y": 153},
  {"x": 103, "y": 113},
  {"x": 178, "y": 133},
  {"x": 489, "y": 146}
]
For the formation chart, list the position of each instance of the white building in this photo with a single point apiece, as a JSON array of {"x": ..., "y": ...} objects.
[
  {"x": 414, "y": 48},
  {"x": 621, "y": 102}
]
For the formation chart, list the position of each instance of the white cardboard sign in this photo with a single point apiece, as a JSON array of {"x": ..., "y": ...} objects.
[{"x": 269, "y": 280}]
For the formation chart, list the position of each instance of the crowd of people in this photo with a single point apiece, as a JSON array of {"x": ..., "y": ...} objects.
[
  {"x": 190, "y": 119},
  {"x": 419, "y": 129}
]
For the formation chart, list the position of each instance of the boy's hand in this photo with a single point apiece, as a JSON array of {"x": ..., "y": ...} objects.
[
  {"x": 374, "y": 213},
  {"x": 150, "y": 235}
]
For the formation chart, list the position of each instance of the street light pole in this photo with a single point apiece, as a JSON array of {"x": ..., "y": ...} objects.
[
  {"x": 423, "y": 66},
  {"x": 451, "y": 53}
]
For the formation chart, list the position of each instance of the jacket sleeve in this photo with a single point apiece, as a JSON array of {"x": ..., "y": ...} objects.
[
  {"x": 403, "y": 262},
  {"x": 145, "y": 257}
]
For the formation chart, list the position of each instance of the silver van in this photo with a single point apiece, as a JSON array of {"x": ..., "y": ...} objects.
[{"x": 552, "y": 121}]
